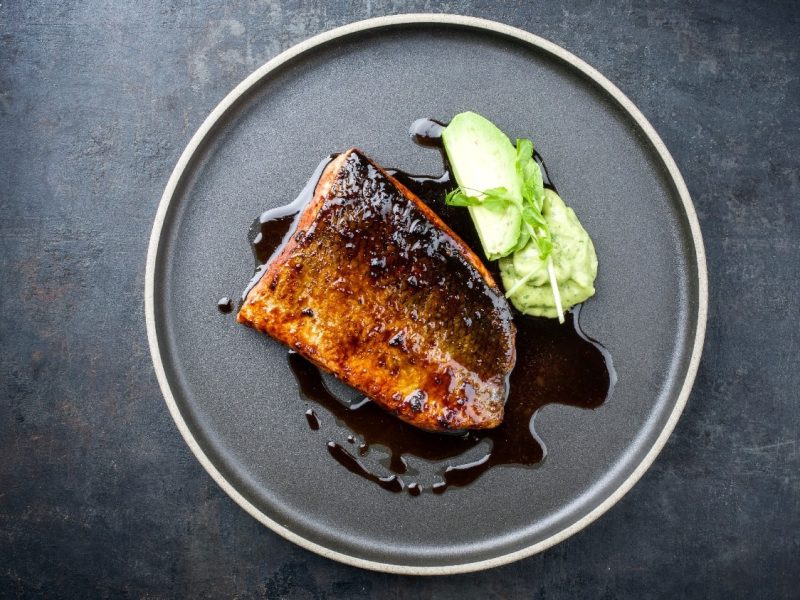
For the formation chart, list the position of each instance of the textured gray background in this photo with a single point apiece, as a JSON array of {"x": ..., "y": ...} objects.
[{"x": 98, "y": 493}]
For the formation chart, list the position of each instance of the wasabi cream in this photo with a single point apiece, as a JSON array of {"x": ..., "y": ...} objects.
[{"x": 525, "y": 275}]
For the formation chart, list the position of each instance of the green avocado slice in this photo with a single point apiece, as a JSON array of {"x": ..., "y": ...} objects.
[{"x": 482, "y": 157}]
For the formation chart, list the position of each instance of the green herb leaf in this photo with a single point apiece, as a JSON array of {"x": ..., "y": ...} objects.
[
  {"x": 525, "y": 163},
  {"x": 458, "y": 198},
  {"x": 533, "y": 198},
  {"x": 530, "y": 174},
  {"x": 495, "y": 199},
  {"x": 534, "y": 218}
]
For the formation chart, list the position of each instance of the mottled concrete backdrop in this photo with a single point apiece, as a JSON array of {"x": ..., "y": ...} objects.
[{"x": 99, "y": 496}]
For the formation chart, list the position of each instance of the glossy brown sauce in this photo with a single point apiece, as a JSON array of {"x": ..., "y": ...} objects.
[
  {"x": 225, "y": 305},
  {"x": 313, "y": 419},
  {"x": 556, "y": 364}
]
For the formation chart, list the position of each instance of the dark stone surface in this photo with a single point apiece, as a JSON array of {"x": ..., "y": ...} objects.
[{"x": 99, "y": 496}]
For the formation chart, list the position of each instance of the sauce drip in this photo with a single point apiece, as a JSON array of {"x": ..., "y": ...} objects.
[
  {"x": 352, "y": 464},
  {"x": 556, "y": 364}
]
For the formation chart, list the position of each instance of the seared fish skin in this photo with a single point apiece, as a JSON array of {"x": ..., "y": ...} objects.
[{"x": 376, "y": 289}]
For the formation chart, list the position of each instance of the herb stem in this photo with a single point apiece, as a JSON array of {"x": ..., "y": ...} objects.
[
  {"x": 551, "y": 270},
  {"x": 519, "y": 284},
  {"x": 527, "y": 277}
]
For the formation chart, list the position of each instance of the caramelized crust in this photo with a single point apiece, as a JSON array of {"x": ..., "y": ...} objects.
[{"x": 376, "y": 289}]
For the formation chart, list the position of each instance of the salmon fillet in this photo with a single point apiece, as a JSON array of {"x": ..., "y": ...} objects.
[{"x": 376, "y": 289}]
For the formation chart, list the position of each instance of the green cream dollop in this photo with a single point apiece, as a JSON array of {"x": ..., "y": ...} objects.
[{"x": 573, "y": 257}]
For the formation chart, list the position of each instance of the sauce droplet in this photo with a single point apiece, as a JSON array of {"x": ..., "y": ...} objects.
[
  {"x": 225, "y": 305},
  {"x": 313, "y": 419},
  {"x": 427, "y": 132}
]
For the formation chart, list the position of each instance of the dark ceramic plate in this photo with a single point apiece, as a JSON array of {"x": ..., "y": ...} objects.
[{"x": 230, "y": 389}]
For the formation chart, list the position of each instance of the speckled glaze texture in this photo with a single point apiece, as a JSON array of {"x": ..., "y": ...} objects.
[{"x": 100, "y": 496}]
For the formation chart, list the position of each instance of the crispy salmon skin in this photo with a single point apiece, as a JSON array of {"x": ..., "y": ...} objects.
[{"x": 374, "y": 287}]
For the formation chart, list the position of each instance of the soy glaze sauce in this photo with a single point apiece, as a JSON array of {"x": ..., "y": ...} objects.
[{"x": 556, "y": 364}]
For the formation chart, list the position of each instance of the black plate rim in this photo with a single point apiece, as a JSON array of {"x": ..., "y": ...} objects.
[{"x": 480, "y": 26}]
